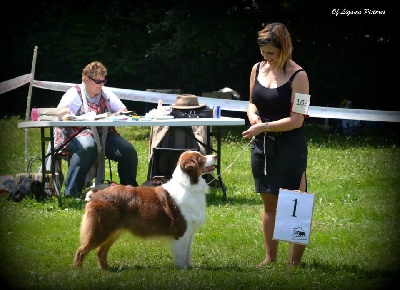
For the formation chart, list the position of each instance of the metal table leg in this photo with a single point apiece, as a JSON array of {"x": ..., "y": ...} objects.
[
  {"x": 219, "y": 163},
  {"x": 218, "y": 151},
  {"x": 53, "y": 161}
]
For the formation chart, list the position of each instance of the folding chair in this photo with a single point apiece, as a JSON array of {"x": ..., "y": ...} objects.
[
  {"x": 66, "y": 156},
  {"x": 164, "y": 160}
]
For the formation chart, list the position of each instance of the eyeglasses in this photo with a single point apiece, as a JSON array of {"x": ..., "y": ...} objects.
[{"x": 98, "y": 81}]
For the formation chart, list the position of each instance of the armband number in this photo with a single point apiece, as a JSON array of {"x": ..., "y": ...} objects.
[{"x": 301, "y": 103}]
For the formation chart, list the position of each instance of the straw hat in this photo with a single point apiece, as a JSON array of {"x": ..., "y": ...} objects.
[{"x": 187, "y": 101}]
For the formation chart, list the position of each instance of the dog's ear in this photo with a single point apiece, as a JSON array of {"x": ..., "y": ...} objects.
[
  {"x": 200, "y": 161},
  {"x": 189, "y": 163}
]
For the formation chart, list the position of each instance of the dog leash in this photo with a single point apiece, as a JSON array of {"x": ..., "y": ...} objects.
[{"x": 230, "y": 165}]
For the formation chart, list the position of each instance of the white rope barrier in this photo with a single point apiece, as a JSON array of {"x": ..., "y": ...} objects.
[
  {"x": 226, "y": 104},
  {"x": 14, "y": 83}
]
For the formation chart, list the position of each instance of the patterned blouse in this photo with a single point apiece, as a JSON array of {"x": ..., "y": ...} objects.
[{"x": 62, "y": 135}]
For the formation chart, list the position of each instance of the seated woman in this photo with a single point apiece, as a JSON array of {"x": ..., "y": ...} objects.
[{"x": 92, "y": 96}]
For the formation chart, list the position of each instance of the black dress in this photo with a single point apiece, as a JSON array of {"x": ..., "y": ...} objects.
[{"x": 278, "y": 159}]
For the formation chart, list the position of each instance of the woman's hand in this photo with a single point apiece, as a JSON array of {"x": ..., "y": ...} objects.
[
  {"x": 253, "y": 118},
  {"x": 254, "y": 130}
]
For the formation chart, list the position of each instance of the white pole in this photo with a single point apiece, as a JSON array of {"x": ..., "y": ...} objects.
[{"x": 28, "y": 105}]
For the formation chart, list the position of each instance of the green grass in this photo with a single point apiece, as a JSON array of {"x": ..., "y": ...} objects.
[{"x": 353, "y": 243}]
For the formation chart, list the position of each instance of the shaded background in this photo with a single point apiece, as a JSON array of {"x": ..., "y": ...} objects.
[{"x": 197, "y": 46}]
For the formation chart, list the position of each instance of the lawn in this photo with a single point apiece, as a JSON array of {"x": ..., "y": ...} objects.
[{"x": 353, "y": 242}]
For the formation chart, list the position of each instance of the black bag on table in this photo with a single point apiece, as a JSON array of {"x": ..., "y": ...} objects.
[
  {"x": 188, "y": 106},
  {"x": 205, "y": 112}
]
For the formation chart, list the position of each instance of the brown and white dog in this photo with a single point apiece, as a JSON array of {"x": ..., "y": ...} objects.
[{"x": 175, "y": 210}]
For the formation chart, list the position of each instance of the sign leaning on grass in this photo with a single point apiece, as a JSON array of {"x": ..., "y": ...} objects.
[{"x": 294, "y": 216}]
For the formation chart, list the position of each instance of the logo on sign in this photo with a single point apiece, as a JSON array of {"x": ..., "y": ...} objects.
[{"x": 299, "y": 234}]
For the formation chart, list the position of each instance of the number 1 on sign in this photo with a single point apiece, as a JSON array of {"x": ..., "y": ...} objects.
[{"x": 294, "y": 208}]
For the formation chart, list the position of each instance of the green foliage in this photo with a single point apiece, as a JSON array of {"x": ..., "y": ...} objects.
[
  {"x": 353, "y": 243},
  {"x": 196, "y": 46}
]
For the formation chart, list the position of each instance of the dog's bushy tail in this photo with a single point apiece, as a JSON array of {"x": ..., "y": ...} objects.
[{"x": 85, "y": 228}]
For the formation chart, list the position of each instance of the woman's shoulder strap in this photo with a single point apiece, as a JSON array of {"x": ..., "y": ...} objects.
[
  {"x": 78, "y": 88},
  {"x": 294, "y": 74},
  {"x": 258, "y": 68}
]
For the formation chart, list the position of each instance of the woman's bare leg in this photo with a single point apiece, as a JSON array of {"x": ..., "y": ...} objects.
[{"x": 268, "y": 223}]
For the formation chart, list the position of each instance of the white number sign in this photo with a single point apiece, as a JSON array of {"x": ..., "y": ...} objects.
[{"x": 294, "y": 216}]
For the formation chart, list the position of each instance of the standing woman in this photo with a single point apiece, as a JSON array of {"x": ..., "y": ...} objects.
[{"x": 279, "y": 148}]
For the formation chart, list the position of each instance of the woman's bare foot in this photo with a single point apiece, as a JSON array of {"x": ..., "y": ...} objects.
[{"x": 265, "y": 263}]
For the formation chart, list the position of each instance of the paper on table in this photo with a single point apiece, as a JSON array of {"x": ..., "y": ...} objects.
[
  {"x": 91, "y": 116},
  {"x": 47, "y": 118}
]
